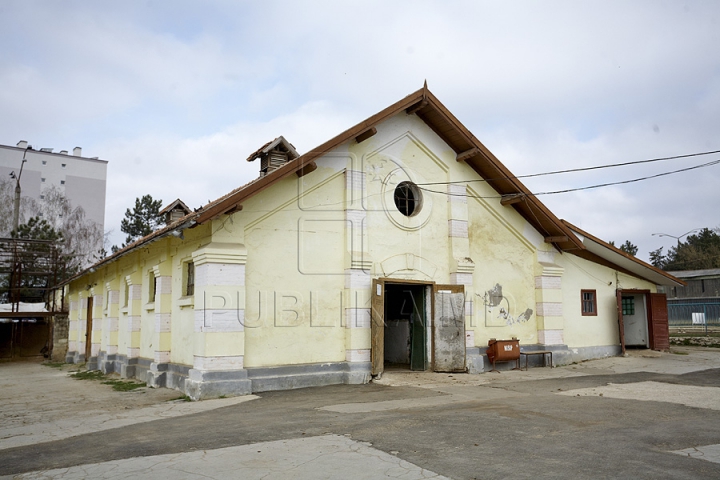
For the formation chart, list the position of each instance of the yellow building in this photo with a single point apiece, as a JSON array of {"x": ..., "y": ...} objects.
[{"x": 401, "y": 241}]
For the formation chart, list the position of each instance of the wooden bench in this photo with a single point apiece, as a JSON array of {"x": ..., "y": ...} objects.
[{"x": 538, "y": 352}]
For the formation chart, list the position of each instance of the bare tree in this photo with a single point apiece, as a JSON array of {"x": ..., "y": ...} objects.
[
  {"x": 7, "y": 202},
  {"x": 82, "y": 237}
]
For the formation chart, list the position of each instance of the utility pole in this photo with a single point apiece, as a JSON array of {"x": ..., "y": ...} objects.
[
  {"x": 18, "y": 191},
  {"x": 15, "y": 274}
]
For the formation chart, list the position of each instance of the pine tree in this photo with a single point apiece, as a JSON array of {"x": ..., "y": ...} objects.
[
  {"x": 697, "y": 252},
  {"x": 144, "y": 219},
  {"x": 627, "y": 247},
  {"x": 657, "y": 259}
]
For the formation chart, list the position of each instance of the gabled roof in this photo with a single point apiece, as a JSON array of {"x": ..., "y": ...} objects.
[
  {"x": 603, "y": 253},
  {"x": 468, "y": 149}
]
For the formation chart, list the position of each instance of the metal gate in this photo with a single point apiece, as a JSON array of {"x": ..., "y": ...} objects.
[{"x": 694, "y": 314}]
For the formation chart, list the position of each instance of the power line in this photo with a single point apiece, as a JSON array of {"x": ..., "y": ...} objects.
[
  {"x": 708, "y": 164},
  {"x": 581, "y": 169}
]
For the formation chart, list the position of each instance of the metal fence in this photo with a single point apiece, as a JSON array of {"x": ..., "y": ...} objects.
[{"x": 694, "y": 314}]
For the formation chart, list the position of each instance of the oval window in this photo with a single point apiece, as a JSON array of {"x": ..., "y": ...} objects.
[{"x": 408, "y": 198}]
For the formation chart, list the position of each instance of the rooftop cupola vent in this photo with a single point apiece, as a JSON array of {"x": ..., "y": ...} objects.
[
  {"x": 274, "y": 155},
  {"x": 175, "y": 211}
]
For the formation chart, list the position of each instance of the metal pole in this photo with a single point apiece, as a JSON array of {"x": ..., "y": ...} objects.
[{"x": 16, "y": 206}]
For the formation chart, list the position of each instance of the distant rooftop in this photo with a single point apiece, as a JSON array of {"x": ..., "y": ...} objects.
[{"x": 710, "y": 272}]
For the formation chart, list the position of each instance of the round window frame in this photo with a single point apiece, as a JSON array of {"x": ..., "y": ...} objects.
[
  {"x": 417, "y": 198},
  {"x": 420, "y": 216}
]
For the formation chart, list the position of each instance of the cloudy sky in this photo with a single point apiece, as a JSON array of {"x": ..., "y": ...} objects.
[{"x": 175, "y": 94}]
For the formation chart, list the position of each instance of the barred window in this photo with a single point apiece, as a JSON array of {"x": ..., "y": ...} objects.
[{"x": 589, "y": 302}]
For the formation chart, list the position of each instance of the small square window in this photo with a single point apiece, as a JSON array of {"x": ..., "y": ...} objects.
[
  {"x": 44, "y": 162},
  {"x": 589, "y": 302},
  {"x": 42, "y": 197},
  {"x": 62, "y": 182},
  {"x": 628, "y": 305},
  {"x": 42, "y": 180},
  {"x": 190, "y": 282},
  {"x": 64, "y": 165}
]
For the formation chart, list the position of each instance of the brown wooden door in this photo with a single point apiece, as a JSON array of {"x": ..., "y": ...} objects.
[
  {"x": 377, "y": 327},
  {"x": 449, "y": 328},
  {"x": 621, "y": 324},
  {"x": 88, "y": 329},
  {"x": 658, "y": 322}
]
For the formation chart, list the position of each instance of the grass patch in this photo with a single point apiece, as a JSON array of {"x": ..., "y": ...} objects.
[
  {"x": 117, "y": 385},
  {"x": 183, "y": 398},
  {"x": 124, "y": 386},
  {"x": 89, "y": 375},
  {"x": 679, "y": 353},
  {"x": 53, "y": 364}
]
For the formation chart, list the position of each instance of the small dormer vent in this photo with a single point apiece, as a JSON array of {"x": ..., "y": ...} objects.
[
  {"x": 175, "y": 211},
  {"x": 274, "y": 155}
]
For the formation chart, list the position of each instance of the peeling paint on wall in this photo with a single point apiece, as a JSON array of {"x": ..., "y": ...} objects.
[{"x": 495, "y": 301}]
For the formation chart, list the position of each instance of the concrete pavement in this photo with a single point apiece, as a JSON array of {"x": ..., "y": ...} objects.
[{"x": 649, "y": 415}]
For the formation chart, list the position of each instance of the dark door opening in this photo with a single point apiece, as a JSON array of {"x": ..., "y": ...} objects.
[
  {"x": 405, "y": 335},
  {"x": 88, "y": 329},
  {"x": 22, "y": 338}
]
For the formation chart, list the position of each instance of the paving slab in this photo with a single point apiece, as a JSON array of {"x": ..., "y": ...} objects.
[
  {"x": 322, "y": 457},
  {"x": 710, "y": 453},
  {"x": 689, "y": 395},
  {"x": 489, "y": 426}
]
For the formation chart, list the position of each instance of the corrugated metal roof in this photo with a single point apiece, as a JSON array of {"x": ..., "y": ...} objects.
[{"x": 709, "y": 272}]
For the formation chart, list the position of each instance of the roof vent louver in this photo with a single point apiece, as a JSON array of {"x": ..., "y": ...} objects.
[{"x": 274, "y": 155}]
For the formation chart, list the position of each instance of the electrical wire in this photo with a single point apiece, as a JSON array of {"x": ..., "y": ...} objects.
[
  {"x": 581, "y": 169},
  {"x": 589, "y": 187}
]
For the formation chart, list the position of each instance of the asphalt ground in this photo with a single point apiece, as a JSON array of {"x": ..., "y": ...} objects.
[{"x": 649, "y": 415}]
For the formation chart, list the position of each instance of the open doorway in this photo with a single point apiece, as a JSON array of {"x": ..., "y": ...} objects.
[
  {"x": 406, "y": 332},
  {"x": 634, "y": 311},
  {"x": 642, "y": 320},
  {"x": 417, "y": 326}
]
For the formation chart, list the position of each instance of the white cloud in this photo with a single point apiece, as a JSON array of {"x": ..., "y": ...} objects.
[
  {"x": 161, "y": 87},
  {"x": 158, "y": 165}
]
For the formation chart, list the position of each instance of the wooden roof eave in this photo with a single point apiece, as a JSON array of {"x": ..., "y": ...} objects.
[
  {"x": 299, "y": 163},
  {"x": 593, "y": 257},
  {"x": 426, "y": 106},
  {"x": 499, "y": 177}
]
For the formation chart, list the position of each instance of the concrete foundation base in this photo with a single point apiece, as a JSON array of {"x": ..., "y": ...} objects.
[
  {"x": 156, "y": 375},
  {"x": 308, "y": 375},
  {"x": 200, "y": 385},
  {"x": 474, "y": 360},
  {"x": 562, "y": 355}
]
